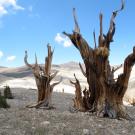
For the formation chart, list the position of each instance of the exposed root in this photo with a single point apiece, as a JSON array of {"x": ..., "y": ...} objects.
[
  {"x": 125, "y": 115},
  {"x": 113, "y": 112},
  {"x": 31, "y": 105},
  {"x": 47, "y": 107},
  {"x": 73, "y": 110},
  {"x": 41, "y": 105}
]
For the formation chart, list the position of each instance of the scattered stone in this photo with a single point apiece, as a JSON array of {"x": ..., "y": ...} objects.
[
  {"x": 33, "y": 127},
  {"x": 86, "y": 132},
  {"x": 19, "y": 120},
  {"x": 45, "y": 123},
  {"x": 2, "y": 116}
]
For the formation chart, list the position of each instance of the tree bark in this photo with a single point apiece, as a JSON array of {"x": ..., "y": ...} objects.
[
  {"x": 105, "y": 93},
  {"x": 78, "y": 100}
]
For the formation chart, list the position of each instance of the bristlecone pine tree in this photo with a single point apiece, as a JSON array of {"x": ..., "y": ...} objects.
[
  {"x": 43, "y": 77},
  {"x": 105, "y": 94}
]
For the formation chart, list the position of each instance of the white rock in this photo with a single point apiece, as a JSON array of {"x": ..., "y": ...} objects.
[
  {"x": 86, "y": 132},
  {"x": 45, "y": 123}
]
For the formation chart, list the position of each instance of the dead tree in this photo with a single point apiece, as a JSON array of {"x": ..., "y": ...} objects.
[
  {"x": 106, "y": 94},
  {"x": 43, "y": 78}
]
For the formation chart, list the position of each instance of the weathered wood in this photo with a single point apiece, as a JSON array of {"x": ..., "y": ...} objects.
[
  {"x": 78, "y": 100},
  {"x": 94, "y": 39},
  {"x": 43, "y": 78},
  {"x": 84, "y": 73},
  {"x": 105, "y": 93}
]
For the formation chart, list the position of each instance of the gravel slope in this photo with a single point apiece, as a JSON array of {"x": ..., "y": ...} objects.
[{"x": 19, "y": 120}]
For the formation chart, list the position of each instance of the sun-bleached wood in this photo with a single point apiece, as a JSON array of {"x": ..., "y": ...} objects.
[
  {"x": 105, "y": 93},
  {"x": 43, "y": 78}
]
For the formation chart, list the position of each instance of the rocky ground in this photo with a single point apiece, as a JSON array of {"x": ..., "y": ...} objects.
[{"x": 19, "y": 120}]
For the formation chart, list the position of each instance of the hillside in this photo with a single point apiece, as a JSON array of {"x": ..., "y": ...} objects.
[{"x": 22, "y": 77}]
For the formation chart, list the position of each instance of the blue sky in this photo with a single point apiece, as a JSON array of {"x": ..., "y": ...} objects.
[{"x": 31, "y": 24}]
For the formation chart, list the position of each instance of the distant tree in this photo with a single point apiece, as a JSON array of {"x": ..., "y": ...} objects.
[
  {"x": 3, "y": 102},
  {"x": 8, "y": 93},
  {"x": 43, "y": 78},
  {"x": 105, "y": 93}
]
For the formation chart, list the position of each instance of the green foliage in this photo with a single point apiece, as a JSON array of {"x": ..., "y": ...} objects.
[
  {"x": 3, "y": 102},
  {"x": 8, "y": 93}
]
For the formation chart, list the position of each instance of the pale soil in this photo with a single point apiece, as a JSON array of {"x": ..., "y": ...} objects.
[{"x": 19, "y": 120}]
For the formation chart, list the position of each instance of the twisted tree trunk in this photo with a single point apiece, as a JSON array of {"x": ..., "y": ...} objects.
[
  {"x": 106, "y": 92},
  {"x": 43, "y": 77}
]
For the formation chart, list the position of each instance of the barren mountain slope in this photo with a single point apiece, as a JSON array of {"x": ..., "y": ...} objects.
[{"x": 23, "y": 77}]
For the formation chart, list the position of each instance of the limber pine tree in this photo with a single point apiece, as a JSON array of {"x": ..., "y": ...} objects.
[
  {"x": 105, "y": 94},
  {"x": 43, "y": 78}
]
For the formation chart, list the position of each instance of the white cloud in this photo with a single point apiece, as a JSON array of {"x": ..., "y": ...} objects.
[
  {"x": 6, "y": 5},
  {"x": 11, "y": 58},
  {"x": 61, "y": 39},
  {"x": 3, "y": 11},
  {"x": 1, "y": 54},
  {"x": 67, "y": 43}
]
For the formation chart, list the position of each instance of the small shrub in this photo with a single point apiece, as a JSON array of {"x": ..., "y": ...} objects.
[
  {"x": 8, "y": 93},
  {"x": 3, "y": 102}
]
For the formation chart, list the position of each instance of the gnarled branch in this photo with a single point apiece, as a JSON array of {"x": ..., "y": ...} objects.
[
  {"x": 94, "y": 39},
  {"x": 110, "y": 34},
  {"x": 100, "y": 44},
  {"x": 56, "y": 83},
  {"x": 48, "y": 60},
  {"x": 53, "y": 75},
  {"x": 76, "y": 29},
  {"x": 114, "y": 69},
  {"x": 123, "y": 79},
  {"x": 78, "y": 100},
  {"x": 84, "y": 73},
  {"x": 26, "y": 61}
]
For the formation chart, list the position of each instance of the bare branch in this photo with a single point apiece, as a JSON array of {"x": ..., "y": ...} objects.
[
  {"x": 84, "y": 73},
  {"x": 36, "y": 61},
  {"x": 115, "y": 13},
  {"x": 48, "y": 60},
  {"x": 94, "y": 39},
  {"x": 111, "y": 31},
  {"x": 115, "y": 69},
  {"x": 76, "y": 29},
  {"x": 53, "y": 75},
  {"x": 25, "y": 60},
  {"x": 56, "y": 83},
  {"x": 72, "y": 82},
  {"x": 122, "y": 6},
  {"x": 76, "y": 78},
  {"x": 101, "y": 30},
  {"x": 123, "y": 79},
  {"x": 101, "y": 24},
  {"x": 77, "y": 81}
]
